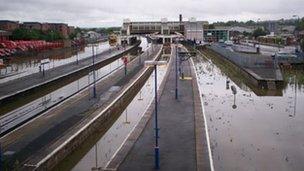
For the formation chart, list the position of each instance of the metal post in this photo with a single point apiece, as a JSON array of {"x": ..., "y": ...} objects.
[
  {"x": 77, "y": 57},
  {"x": 43, "y": 70},
  {"x": 94, "y": 78},
  {"x": 176, "y": 72},
  {"x": 156, "y": 148},
  {"x": 125, "y": 69}
]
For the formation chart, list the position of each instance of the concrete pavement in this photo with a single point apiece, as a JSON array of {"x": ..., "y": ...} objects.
[{"x": 182, "y": 140}]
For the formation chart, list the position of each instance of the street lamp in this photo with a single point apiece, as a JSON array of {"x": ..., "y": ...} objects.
[
  {"x": 94, "y": 75},
  {"x": 156, "y": 148}
]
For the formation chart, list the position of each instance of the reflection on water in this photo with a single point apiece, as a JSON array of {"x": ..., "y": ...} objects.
[
  {"x": 21, "y": 66},
  {"x": 262, "y": 132},
  {"x": 19, "y": 115},
  {"x": 99, "y": 155}
]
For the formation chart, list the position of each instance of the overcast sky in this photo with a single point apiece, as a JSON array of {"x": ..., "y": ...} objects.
[{"x": 105, "y": 13}]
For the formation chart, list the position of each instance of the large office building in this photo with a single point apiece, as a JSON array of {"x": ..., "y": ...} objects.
[{"x": 166, "y": 30}]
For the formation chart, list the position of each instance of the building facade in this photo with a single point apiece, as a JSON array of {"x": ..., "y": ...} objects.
[
  {"x": 216, "y": 35},
  {"x": 191, "y": 30},
  {"x": 7, "y": 25},
  {"x": 62, "y": 28},
  {"x": 31, "y": 25},
  {"x": 4, "y": 35}
]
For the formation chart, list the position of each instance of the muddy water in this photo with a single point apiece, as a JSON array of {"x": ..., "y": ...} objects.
[
  {"x": 21, "y": 66},
  {"x": 101, "y": 153},
  {"x": 250, "y": 132}
]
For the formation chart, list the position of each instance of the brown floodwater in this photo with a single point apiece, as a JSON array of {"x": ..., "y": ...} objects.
[{"x": 252, "y": 131}]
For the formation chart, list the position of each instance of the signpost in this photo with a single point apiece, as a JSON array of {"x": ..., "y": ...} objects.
[{"x": 42, "y": 63}]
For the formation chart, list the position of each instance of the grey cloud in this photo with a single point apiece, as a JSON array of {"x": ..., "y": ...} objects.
[{"x": 100, "y": 13}]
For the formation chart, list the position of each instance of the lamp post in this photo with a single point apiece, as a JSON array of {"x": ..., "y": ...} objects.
[
  {"x": 94, "y": 75},
  {"x": 176, "y": 72},
  {"x": 156, "y": 148}
]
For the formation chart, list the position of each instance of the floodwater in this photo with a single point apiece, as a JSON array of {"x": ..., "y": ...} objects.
[
  {"x": 21, "y": 66},
  {"x": 26, "y": 112},
  {"x": 31, "y": 109},
  {"x": 251, "y": 132},
  {"x": 101, "y": 153}
]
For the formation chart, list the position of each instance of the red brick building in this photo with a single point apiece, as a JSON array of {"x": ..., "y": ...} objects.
[
  {"x": 8, "y": 25},
  {"x": 45, "y": 27},
  {"x": 71, "y": 29},
  {"x": 62, "y": 28},
  {"x": 31, "y": 25},
  {"x": 4, "y": 35}
]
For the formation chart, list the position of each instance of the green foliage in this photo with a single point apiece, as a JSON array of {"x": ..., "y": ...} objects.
[
  {"x": 27, "y": 34},
  {"x": 302, "y": 44},
  {"x": 300, "y": 25},
  {"x": 107, "y": 31},
  {"x": 259, "y": 32},
  {"x": 246, "y": 34},
  {"x": 211, "y": 26}
]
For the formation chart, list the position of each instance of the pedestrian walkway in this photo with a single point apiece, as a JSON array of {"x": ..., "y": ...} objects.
[{"x": 179, "y": 149}]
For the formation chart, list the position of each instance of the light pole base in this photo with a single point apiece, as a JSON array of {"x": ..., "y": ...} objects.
[{"x": 156, "y": 152}]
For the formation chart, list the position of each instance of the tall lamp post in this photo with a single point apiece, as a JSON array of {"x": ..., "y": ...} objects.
[
  {"x": 94, "y": 74},
  {"x": 176, "y": 72},
  {"x": 156, "y": 148}
]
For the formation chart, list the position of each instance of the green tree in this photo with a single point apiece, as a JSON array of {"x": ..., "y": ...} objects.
[
  {"x": 302, "y": 44},
  {"x": 211, "y": 26},
  {"x": 259, "y": 32},
  {"x": 32, "y": 34},
  {"x": 300, "y": 25}
]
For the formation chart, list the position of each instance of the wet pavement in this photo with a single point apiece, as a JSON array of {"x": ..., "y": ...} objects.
[
  {"x": 177, "y": 131},
  {"x": 35, "y": 136},
  {"x": 251, "y": 132},
  {"x": 101, "y": 153}
]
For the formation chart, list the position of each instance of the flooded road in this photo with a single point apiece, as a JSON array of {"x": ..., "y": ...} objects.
[
  {"x": 101, "y": 153},
  {"x": 250, "y": 132},
  {"x": 21, "y": 66}
]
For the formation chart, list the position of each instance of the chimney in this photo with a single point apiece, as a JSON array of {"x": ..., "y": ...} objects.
[{"x": 180, "y": 22}]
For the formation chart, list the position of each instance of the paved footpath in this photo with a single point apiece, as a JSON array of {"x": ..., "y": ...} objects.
[
  {"x": 11, "y": 87},
  {"x": 182, "y": 140}
]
